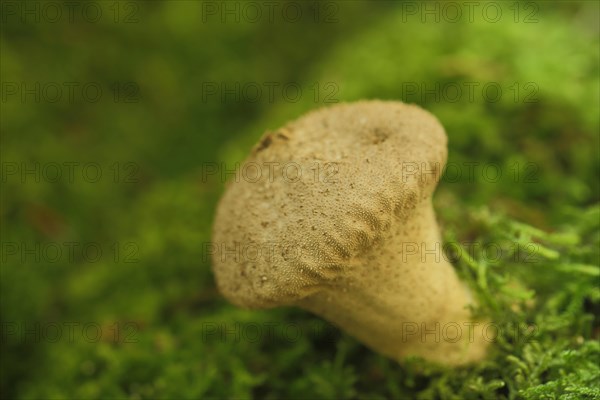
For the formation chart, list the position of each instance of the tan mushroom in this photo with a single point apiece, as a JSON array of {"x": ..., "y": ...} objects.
[{"x": 326, "y": 214}]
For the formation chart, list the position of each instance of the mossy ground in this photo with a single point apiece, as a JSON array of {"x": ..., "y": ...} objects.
[{"x": 153, "y": 294}]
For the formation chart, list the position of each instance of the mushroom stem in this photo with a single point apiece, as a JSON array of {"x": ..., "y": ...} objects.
[{"x": 419, "y": 309}]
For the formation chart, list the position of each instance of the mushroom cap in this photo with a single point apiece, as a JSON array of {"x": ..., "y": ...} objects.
[{"x": 314, "y": 197}]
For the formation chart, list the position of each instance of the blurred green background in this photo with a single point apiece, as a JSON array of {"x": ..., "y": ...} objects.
[{"x": 177, "y": 85}]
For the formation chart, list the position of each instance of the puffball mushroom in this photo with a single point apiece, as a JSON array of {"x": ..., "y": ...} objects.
[{"x": 333, "y": 213}]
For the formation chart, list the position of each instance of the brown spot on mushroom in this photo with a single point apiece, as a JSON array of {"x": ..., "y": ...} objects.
[
  {"x": 264, "y": 143},
  {"x": 379, "y": 135},
  {"x": 282, "y": 136}
]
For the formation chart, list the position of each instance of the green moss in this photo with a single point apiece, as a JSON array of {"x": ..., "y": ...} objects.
[{"x": 166, "y": 332}]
